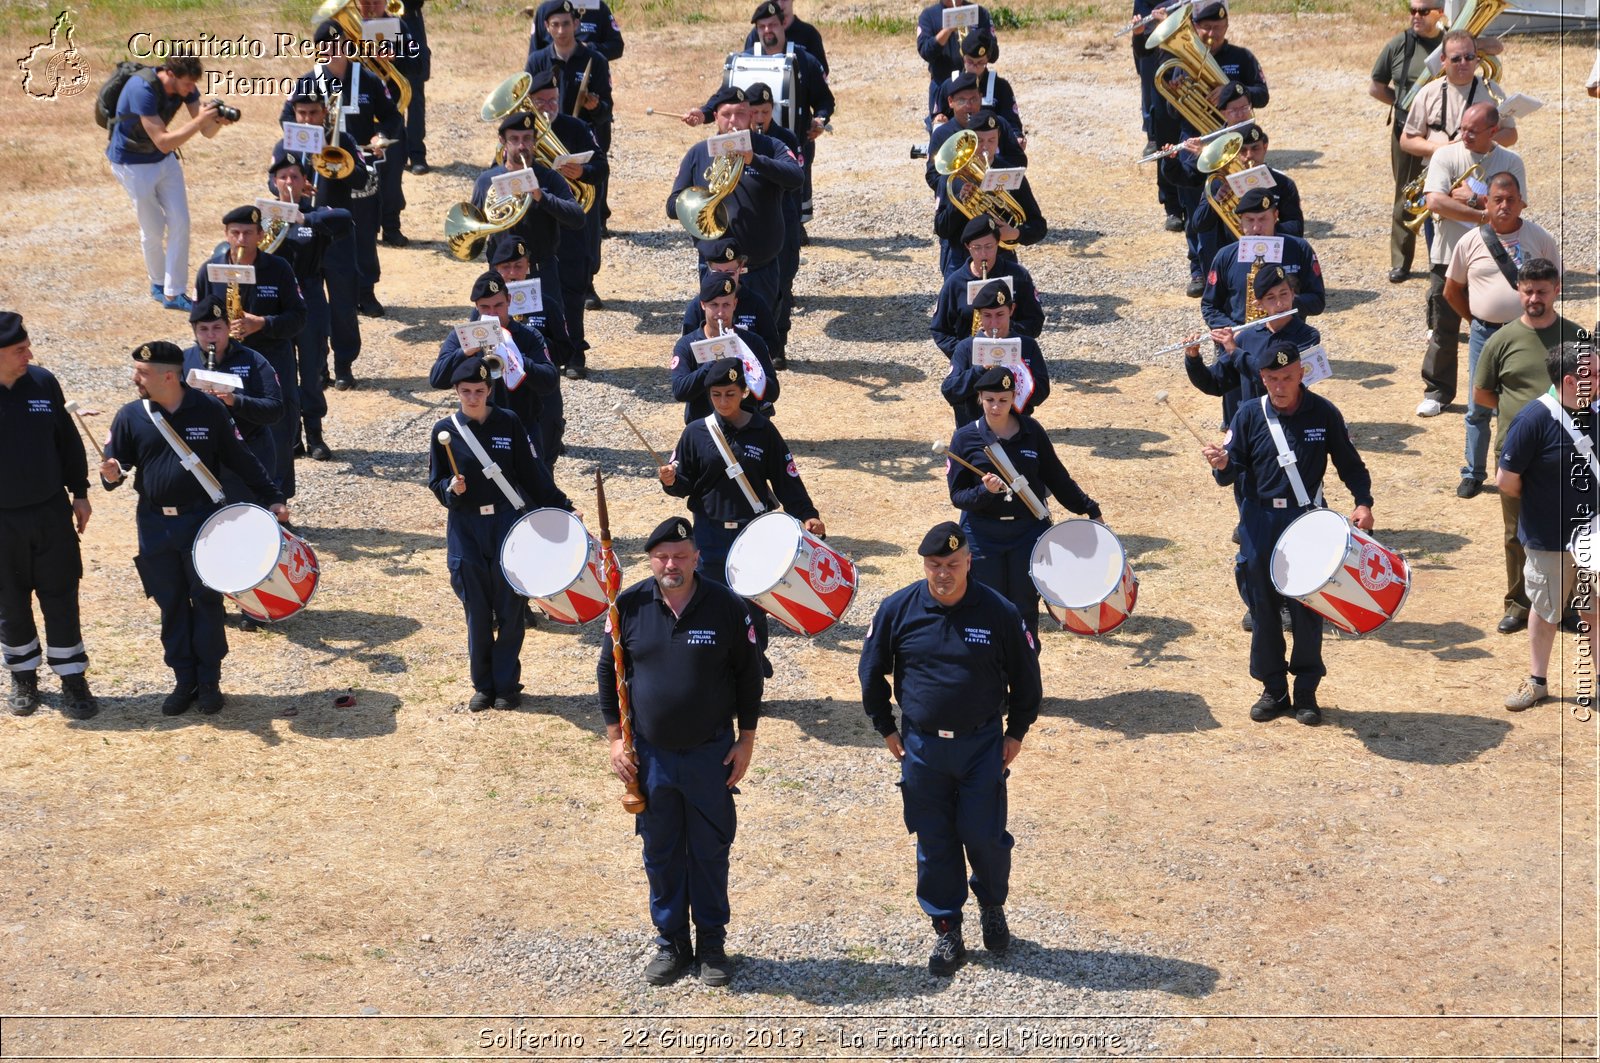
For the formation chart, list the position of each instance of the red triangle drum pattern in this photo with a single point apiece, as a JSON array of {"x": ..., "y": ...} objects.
[
  {"x": 1369, "y": 582},
  {"x": 812, "y": 593},
  {"x": 1083, "y": 576},
  {"x": 288, "y": 587}
]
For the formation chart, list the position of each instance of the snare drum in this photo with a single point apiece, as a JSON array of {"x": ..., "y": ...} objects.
[
  {"x": 1082, "y": 573},
  {"x": 550, "y": 558},
  {"x": 1340, "y": 572},
  {"x": 791, "y": 574},
  {"x": 243, "y": 553}
]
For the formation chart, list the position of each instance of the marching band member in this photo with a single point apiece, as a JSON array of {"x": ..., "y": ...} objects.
[
  {"x": 527, "y": 383},
  {"x": 1403, "y": 60},
  {"x": 1180, "y": 172},
  {"x": 306, "y": 248},
  {"x": 351, "y": 267},
  {"x": 575, "y": 65},
  {"x": 950, "y": 222},
  {"x": 274, "y": 314},
  {"x": 813, "y": 104},
  {"x": 966, "y": 99},
  {"x": 978, "y": 56},
  {"x": 1211, "y": 232},
  {"x": 1283, "y": 480},
  {"x": 365, "y": 111},
  {"x": 802, "y": 33},
  {"x": 255, "y": 406},
  {"x": 1230, "y": 280},
  {"x": 391, "y": 161},
  {"x": 967, "y": 679},
  {"x": 1232, "y": 376},
  {"x": 750, "y": 312},
  {"x": 39, "y": 529},
  {"x": 759, "y": 96},
  {"x": 993, "y": 305},
  {"x": 940, "y": 47},
  {"x": 1002, "y": 524},
  {"x": 755, "y": 205},
  {"x": 597, "y": 28},
  {"x": 693, "y": 671},
  {"x": 952, "y": 315},
  {"x": 416, "y": 65},
  {"x": 1146, "y": 61},
  {"x": 690, "y": 379},
  {"x": 487, "y": 477},
  {"x": 159, "y": 433}
]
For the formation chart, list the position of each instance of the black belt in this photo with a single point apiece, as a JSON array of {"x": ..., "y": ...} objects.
[
  {"x": 176, "y": 511},
  {"x": 951, "y": 733},
  {"x": 1489, "y": 324}
]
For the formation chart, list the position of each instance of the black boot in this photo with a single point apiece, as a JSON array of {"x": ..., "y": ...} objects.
[
  {"x": 316, "y": 449},
  {"x": 24, "y": 693},
  {"x": 80, "y": 705},
  {"x": 949, "y": 952}
]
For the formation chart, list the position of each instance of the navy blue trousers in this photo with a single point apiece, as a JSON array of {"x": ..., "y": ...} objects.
[
  {"x": 1001, "y": 550},
  {"x": 1189, "y": 199},
  {"x": 954, "y": 790},
  {"x": 192, "y": 637},
  {"x": 311, "y": 352},
  {"x": 39, "y": 557},
  {"x": 472, "y": 550},
  {"x": 1259, "y": 529},
  {"x": 346, "y": 283},
  {"x": 687, "y": 829}
]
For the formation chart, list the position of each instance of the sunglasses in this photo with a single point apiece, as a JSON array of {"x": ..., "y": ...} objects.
[
  {"x": 1462, "y": 59},
  {"x": 1423, "y": 10}
]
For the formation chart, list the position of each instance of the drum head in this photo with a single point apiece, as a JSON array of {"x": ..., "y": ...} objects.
[
  {"x": 236, "y": 548},
  {"x": 763, "y": 553},
  {"x": 545, "y": 552},
  {"x": 1309, "y": 552},
  {"x": 1077, "y": 563}
]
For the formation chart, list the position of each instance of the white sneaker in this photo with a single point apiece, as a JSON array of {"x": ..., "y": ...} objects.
[
  {"x": 1528, "y": 695},
  {"x": 1429, "y": 408}
]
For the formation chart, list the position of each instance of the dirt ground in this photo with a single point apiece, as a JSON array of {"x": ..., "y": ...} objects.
[{"x": 1415, "y": 879}]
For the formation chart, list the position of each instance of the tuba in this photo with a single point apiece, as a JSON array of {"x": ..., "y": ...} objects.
[
  {"x": 700, "y": 208},
  {"x": 347, "y": 14},
  {"x": 1220, "y": 158},
  {"x": 467, "y": 228},
  {"x": 510, "y": 97},
  {"x": 958, "y": 158},
  {"x": 1199, "y": 74},
  {"x": 1474, "y": 17}
]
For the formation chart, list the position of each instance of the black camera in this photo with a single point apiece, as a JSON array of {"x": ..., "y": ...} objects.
[{"x": 226, "y": 113}]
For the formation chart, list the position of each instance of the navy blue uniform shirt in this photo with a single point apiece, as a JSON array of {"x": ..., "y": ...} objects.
[
  {"x": 305, "y": 244},
  {"x": 1009, "y": 148},
  {"x": 1034, "y": 459},
  {"x": 203, "y": 423},
  {"x": 1223, "y": 302},
  {"x": 1315, "y": 432},
  {"x": 960, "y": 387},
  {"x": 539, "y": 394},
  {"x": 597, "y": 28},
  {"x": 260, "y": 402},
  {"x": 377, "y": 113},
  {"x": 997, "y": 97},
  {"x": 689, "y": 378},
  {"x": 750, "y": 313},
  {"x": 944, "y": 59},
  {"x": 755, "y": 206},
  {"x": 954, "y": 667},
  {"x": 1291, "y": 216},
  {"x": 1558, "y": 489},
  {"x": 506, "y": 442},
  {"x": 803, "y": 34},
  {"x": 703, "y": 475},
  {"x": 360, "y": 183},
  {"x": 43, "y": 453},
  {"x": 275, "y": 296},
  {"x": 569, "y": 75},
  {"x": 949, "y": 221},
  {"x": 1232, "y": 377},
  {"x": 540, "y": 227},
  {"x": 952, "y": 314},
  {"x": 688, "y": 675}
]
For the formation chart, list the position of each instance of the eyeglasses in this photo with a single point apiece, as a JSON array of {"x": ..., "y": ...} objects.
[
  {"x": 1423, "y": 10},
  {"x": 1461, "y": 59}
]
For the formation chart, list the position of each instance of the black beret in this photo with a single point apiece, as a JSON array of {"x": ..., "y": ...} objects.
[
  {"x": 758, "y": 92},
  {"x": 991, "y": 295},
  {"x": 942, "y": 540},
  {"x": 964, "y": 82},
  {"x": 305, "y": 92},
  {"x": 997, "y": 378},
  {"x": 981, "y": 45},
  {"x": 671, "y": 530},
  {"x": 517, "y": 120},
  {"x": 768, "y": 9},
  {"x": 715, "y": 285},
  {"x": 979, "y": 227},
  {"x": 11, "y": 330},
  {"x": 544, "y": 79},
  {"x": 208, "y": 308},
  {"x": 1268, "y": 278},
  {"x": 246, "y": 215},
  {"x": 471, "y": 370},
  {"x": 725, "y": 371},
  {"x": 487, "y": 284},
  {"x": 1230, "y": 92},
  {"x": 327, "y": 30},
  {"x": 1210, "y": 9},
  {"x": 505, "y": 247},
  {"x": 1276, "y": 355},
  {"x": 283, "y": 162},
  {"x": 1253, "y": 134},
  {"x": 724, "y": 250},
  {"x": 158, "y": 352},
  {"x": 982, "y": 120},
  {"x": 1255, "y": 201},
  {"x": 560, "y": 7},
  {"x": 726, "y": 94}
]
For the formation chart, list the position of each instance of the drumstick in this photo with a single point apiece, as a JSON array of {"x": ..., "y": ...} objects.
[
  {"x": 1161, "y": 397},
  {"x": 664, "y": 114},
  {"x": 444, "y": 441},
  {"x": 940, "y": 448},
  {"x": 646, "y": 443},
  {"x": 72, "y": 408}
]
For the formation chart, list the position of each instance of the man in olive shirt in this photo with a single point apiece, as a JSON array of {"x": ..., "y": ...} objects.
[
  {"x": 1512, "y": 373},
  {"x": 1401, "y": 62}
]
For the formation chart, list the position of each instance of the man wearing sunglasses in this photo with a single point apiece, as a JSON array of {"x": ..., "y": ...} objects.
[{"x": 1402, "y": 61}]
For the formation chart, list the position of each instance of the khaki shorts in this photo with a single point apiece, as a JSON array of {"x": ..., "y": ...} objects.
[{"x": 1551, "y": 576}]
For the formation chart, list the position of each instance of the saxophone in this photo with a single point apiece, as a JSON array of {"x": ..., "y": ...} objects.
[
  {"x": 235, "y": 300},
  {"x": 1251, "y": 310},
  {"x": 983, "y": 275}
]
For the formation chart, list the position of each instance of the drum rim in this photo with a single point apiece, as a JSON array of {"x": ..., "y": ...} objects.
[
  {"x": 1349, "y": 535},
  {"x": 516, "y": 584},
  {"x": 799, "y": 541},
  {"x": 194, "y": 547},
  {"x": 1125, "y": 571}
]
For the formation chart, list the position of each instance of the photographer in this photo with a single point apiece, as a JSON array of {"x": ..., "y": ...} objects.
[{"x": 143, "y": 141}]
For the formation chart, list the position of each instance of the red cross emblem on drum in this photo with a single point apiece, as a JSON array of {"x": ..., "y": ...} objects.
[
  {"x": 790, "y": 573},
  {"x": 1339, "y": 571}
]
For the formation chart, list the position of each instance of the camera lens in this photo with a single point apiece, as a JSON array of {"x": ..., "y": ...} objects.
[{"x": 229, "y": 114}]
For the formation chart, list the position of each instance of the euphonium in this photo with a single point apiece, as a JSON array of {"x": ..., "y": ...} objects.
[
  {"x": 347, "y": 13},
  {"x": 510, "y": 97},
  {"x": 1220, "y": 158},
  {"x": 1474, "y": 18},
  {"x": 958, "y": 158},
  {"x": 700, "y": 209},
  {"x": 467, "y": 228},
  {"x": 1200, "y": 75},
  {"x": 1417, "y": 200}
]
